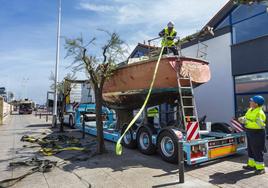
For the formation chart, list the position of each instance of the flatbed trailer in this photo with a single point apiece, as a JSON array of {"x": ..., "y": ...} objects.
[
  {"x": 174, "y": 85},
  {"x": 151, "y": 138}
]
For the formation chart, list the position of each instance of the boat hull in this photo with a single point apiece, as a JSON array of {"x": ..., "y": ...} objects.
[{"x": 129, "y": 85}]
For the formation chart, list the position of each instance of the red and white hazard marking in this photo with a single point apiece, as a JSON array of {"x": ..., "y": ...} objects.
[
  {"x": 192, "y": 131},
  {"x": 75, "y": 105},
  {"x": 237, "y": 126}
]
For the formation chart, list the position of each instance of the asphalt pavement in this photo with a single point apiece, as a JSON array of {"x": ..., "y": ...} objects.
[{"x": 132, "y": 169}]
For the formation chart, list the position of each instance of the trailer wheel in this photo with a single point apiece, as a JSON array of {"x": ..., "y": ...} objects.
[
  {"x": 128, "y": 140},
  {"x": 71, "y": 121},
  {"x": 168, "y": 147},
  {"x": 221, "y": 128},
  {"x": 144, "y": 141}
]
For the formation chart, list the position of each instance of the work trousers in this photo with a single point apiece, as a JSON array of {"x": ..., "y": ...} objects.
[
  {"x": 256, "y": 144},
  {"x": 172, "y": 49}
]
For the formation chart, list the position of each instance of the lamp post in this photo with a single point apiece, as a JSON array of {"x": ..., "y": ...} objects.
[{"x": 54, "y": 120}]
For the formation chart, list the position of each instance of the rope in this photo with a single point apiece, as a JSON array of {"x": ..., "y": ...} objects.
[{"x": 118, "y": 147}]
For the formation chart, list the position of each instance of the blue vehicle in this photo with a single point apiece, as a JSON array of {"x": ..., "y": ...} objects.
[
  {"x": 90, "y": 121},
  {"x": 155, "y": 135}
]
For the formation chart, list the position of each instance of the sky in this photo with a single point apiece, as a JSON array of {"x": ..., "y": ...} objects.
[{"x": 29, "y": 29}]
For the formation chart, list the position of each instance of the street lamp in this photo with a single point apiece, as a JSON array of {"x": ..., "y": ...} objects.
[{"x": 54, "y": 120}]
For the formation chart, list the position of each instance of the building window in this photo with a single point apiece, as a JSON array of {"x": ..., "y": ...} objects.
[
  {"x": 251, "y": 28},
  {"x": 249, "y": 22},
  {"x": 244, "y": 12},
  {"x": 246, "y": 87},
  {"x": 138, "y": 54}
]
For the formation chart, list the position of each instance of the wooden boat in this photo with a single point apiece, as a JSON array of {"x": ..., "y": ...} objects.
[{"x": 129, "y": 85}]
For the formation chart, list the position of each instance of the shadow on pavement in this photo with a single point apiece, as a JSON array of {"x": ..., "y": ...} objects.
[
  {"x": 231, "y": 177},
  {"x": 39, "y": 125},
  {"x": 76, "y": 160},
  {"x": 166, "y": 184}
]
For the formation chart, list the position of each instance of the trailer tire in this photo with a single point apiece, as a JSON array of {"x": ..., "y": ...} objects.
[
  {"x": 144, "y": 141},
  {"x": 71, "y": 121},
  {"x": 221, "y": 128},
  {"x": 168, "y": 146},
  {"x": 128, "y": 140}
]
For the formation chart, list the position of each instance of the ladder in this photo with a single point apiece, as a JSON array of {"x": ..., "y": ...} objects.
[
  {"x": 201, "y": 50},
  {"x": 187, "y": 101}
]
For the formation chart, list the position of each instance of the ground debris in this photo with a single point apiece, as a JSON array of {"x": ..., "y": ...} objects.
[
  {"x": 39, "y": 165},
  {"x": 51, "y": 145},
  {"x": 32, "y": 162}
]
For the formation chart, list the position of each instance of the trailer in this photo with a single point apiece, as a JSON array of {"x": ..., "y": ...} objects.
[
  {"x": 172, "y": 95},
  {"x": 215, "y": 142}
]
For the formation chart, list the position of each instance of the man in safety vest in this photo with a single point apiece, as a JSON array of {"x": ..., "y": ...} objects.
[
  {"x": 169, "y": 34},
  {"x": 254, "y": 121},
  {"x": 151, "y": 114}
]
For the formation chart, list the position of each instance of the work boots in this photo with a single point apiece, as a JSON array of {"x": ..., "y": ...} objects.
[
  {"x": 259, "y": 172},
  {"x": 247, "y": 167}
]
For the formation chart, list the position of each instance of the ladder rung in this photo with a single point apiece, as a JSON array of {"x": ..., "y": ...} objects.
[
  {"x": 185, "y": 87},
  {"x": 190, "y": 116},
  {"x": 188, "y": 106},
  {"x": 187, "y": 97}
]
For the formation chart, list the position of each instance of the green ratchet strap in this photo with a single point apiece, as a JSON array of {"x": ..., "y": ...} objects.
[{"x": 118, "y": 147}]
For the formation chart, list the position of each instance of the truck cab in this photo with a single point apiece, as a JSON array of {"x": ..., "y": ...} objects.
[{"x": 25, "y": 107}]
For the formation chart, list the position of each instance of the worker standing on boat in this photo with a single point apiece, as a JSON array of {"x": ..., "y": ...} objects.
[
  {"x": 254, "y": 121},
  {"x": 169, "y": 34}
]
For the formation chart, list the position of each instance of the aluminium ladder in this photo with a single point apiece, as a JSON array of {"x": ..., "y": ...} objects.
[{"x": 187, "y": 100}]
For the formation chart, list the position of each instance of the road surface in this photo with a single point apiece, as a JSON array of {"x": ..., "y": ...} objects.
[{"x": 132, "y": 169}]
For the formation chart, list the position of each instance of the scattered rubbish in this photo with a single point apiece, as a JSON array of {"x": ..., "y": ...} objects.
[{"x": 39, "y": 166}]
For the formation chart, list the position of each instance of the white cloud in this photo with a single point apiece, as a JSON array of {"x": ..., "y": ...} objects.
[
  {"x": 157, "y": 11},
  {"x": 134, "y": 12},
  {"x": 189, "y": 16},
  {"x": 95, "y": 8}
]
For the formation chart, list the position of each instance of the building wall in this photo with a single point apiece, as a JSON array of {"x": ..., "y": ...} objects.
[
  {"x": 4, "y": 110},
  {"x": 216, "y": 98}
]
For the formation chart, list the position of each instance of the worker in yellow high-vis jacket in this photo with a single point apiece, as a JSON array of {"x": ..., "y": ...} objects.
[
  {"x": 254, "y": 121},
  {"x": 169, "y": 35}
]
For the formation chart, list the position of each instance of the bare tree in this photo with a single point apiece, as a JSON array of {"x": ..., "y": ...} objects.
[
  {"x": 64, "y": 88},
  {"x": 97, "y": 69}
]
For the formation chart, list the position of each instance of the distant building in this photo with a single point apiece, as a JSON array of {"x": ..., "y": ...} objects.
[
  {"x": 10, "y": 96},
  {"x": 3, "y": 93}
]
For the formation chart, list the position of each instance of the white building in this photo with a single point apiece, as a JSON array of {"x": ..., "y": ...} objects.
[{"x": 238, "y": 59}]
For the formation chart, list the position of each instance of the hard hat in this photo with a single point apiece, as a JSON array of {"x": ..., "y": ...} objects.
[
  {"x": 170, "y": 24},
  {"x": 258, "y": 99}
]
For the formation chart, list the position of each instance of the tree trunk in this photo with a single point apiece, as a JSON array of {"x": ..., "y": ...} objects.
[
  {"x": 62, "y": 113},
  {"x": 100, "y": 139},
  {"x": 123, "y": 117}
]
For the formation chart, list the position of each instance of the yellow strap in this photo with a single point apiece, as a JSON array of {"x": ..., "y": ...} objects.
[
  {"x": 118, "y": 148},
  {"x": 52, "y": 151}
]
